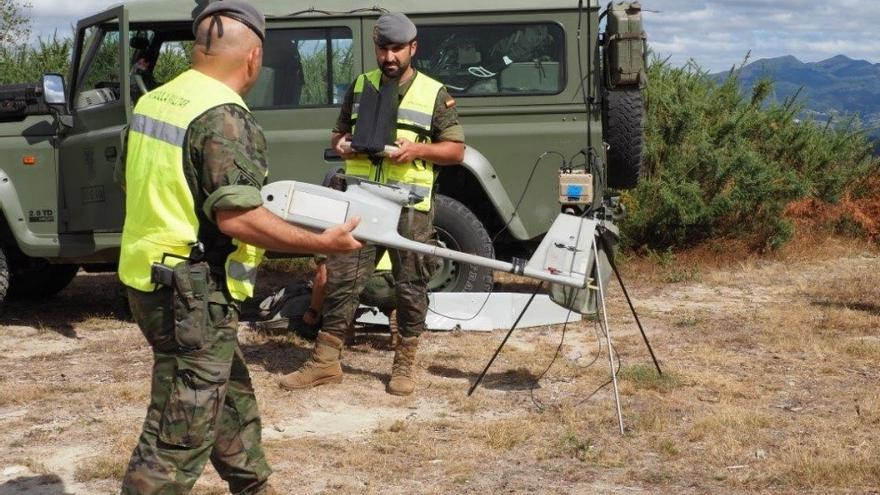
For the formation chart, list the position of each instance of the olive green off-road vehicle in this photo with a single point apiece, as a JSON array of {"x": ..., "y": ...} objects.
[{"x": 536, "y": 84}]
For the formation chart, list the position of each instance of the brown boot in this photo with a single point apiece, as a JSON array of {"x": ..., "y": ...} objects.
[
  {"x": 322, "y": 366},
  {"x": 404, "y": 368},
  {"x": 394, "y": 339}
]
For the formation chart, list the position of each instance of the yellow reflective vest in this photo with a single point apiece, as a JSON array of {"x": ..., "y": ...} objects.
[
  {"x": 160, "y": 210},
  {"x": 414, "y": 116}
]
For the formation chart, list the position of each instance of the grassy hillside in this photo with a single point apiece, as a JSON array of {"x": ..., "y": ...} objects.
[{"x": 832, "y": 88}]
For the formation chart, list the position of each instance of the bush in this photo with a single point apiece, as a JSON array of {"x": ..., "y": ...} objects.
[
  {"x": 26, "y": 63},
  {"x": 720, "y": 163}
]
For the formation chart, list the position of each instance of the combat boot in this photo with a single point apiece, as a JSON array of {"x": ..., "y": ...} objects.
[
  {"x": 322, "y": 366},
  {"x": 394, "y": 339},
  {"x": 404, "y": 368}
]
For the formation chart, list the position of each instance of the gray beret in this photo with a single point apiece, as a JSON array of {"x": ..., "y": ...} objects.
[
  {"x": 240, "y": 10},
  {"x": 393, "y": 28}
]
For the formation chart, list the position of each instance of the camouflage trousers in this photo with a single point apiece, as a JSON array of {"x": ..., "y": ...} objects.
[
  {"x": 347, "y": 275},
  {"x": 202, "y": 405}
]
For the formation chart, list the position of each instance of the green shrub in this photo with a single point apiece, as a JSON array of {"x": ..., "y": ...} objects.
[
  {"x": 720, "y": 163},
  {"x": 27, "y": 63}
]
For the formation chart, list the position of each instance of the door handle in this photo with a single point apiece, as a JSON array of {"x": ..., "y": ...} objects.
[{"x": 110, "y": 153}]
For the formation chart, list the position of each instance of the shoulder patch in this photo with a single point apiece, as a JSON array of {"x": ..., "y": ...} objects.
[{"x": 450, "y": 103}]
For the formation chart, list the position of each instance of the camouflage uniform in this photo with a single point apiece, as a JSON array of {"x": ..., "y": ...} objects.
[
  {"x": 348, "y": 273},
  {"x": 202, "y": 403}
]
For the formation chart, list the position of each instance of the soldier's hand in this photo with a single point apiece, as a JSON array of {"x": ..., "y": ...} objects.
[
  {"x": 343, "y": 147},
  {"x": 339, "y": 239},
  {"x": 407, "y": 151},
  {"x": 310, "y": 317}
]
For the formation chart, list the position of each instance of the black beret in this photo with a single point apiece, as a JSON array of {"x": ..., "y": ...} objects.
[
  {"x": 240, "y": 10},
  {"x": 393, "y": 28}
]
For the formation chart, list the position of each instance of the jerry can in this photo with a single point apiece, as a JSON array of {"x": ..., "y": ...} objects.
[{"x": 625, "y": 45}]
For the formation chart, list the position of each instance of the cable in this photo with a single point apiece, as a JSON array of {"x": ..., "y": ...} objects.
[
  {"x": 588, "y": 98},
  {"x": 541, "y": 406},
  {"x": 498, "y": 350},
  {"x": 598, "y": 348},
  {"x": 589, "y": 155},
  {"x": 538, "y": 404},
  {"x": 505, "y": 227},
  {"x": 313, "y": 10},
  {"x": 610, "y": 380},
  {"x": 528, "y": 184},
  {"x": 571, "y": 294}
]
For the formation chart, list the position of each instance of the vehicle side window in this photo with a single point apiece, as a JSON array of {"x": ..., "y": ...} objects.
[
  {"x": 100, "y": 78},
  {"x": 494, "y": 59},
  {"x": 304, "y": 68}
]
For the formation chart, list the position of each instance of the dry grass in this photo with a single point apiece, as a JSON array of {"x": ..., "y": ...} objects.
[
  {"x": 830, "y": 468},
  {"x": 505, "y": 434},
  {"x": 769, "y": 385},
  {"x": 645, "y": 377},
  {"x": 111, "y": 460}
]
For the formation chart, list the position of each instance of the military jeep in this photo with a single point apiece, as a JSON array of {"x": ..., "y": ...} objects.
[{"x": 536, "y": 85}]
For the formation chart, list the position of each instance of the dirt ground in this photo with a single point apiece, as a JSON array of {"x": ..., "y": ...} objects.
[{"x": 770, "y": 385}]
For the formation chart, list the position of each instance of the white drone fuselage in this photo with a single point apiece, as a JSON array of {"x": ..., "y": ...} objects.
[{"x": 563, "y": 257}]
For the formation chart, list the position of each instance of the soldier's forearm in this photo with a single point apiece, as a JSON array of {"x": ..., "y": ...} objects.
[
  {"x": 259, "y": 227},
  {"x": 442, "y": 153}
]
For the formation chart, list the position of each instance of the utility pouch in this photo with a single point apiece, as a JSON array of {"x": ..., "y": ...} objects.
[
  {"x": 192, "y": 286},
  {"x": 194, "y": 402},
  {"x": 161, "y": 274}
]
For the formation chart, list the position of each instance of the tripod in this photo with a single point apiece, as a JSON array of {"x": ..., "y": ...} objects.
[{"x": 598, "y": 240}]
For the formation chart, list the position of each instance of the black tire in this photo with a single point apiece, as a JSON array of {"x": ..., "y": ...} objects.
[
  {"x": 37, "y": 278},
  {"x": 624, "y": 131},
  {"x": 4, "y": 277},
  {"x": 459, "y": 229}
]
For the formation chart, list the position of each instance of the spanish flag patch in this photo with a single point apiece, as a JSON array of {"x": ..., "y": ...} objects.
[{"x": 450, "y": 103}]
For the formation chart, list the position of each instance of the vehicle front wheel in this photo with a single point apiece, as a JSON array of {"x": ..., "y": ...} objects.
[
  {"x": 33, "y": 278},
  {"x": 460, "y": 230}
]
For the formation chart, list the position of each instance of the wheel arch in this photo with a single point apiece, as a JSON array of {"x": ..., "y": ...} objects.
[{"x": 476, "y": 185}]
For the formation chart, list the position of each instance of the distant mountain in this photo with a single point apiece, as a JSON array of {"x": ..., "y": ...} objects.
[{"x": 838, "y": 85}]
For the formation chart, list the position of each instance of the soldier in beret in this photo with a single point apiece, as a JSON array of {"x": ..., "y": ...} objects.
[
  {"x": 195, "y": 163},
  {"x": 392, "y": 105}
]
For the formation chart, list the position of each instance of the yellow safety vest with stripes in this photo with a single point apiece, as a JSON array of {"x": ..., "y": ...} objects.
[
  {"x": 160, "y": 210},
  {"x": 414, "y": 116}
]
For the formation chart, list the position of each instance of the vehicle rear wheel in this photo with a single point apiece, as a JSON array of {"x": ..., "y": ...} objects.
[
  {"x": 35, "y": 278},
  {"x": 460, "y": 230},
  {"x": 624, "y": 131}
]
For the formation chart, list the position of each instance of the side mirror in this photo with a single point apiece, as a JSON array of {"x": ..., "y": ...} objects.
[
  {"x": 56, "y": 98},
  {"x": 53, "y": 90}
]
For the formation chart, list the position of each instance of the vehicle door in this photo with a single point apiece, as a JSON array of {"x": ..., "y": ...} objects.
[
  {"x": 307, "y": 68},
  {"x": 100, "y": 106}
]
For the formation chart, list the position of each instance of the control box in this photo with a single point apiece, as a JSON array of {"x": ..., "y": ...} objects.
[{"x": 575, "y": 188}]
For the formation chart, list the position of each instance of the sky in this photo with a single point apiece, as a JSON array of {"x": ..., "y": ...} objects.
[{"x": 717, "y": 34}]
